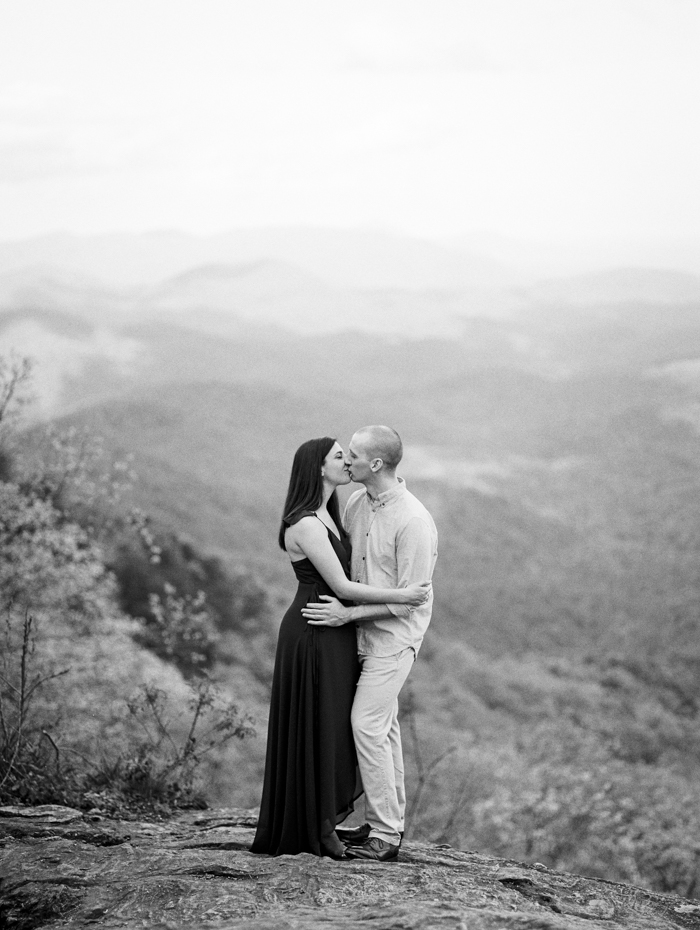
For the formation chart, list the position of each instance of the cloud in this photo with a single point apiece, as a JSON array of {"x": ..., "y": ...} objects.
[
  {"x": 46, "y": 132},
  {"x": 32, "y": 140},
  {"x": 20, "y": 100},
  {"x": 34, "y": 158},
  {"x": 426, "y": 116},
  {"x": 421, "y": 57}
]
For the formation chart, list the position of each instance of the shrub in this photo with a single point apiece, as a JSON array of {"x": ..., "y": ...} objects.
[
  {"x": 30, "y": 765},
  {"x": 160, "y": 744},
  {"x": 145, "y": 560},
  {"x": 159, "y": 769},
  {"x": 67, "y": 656},
  {"x": 594, "y": 815},
  {"x": 180, "y": 630}
]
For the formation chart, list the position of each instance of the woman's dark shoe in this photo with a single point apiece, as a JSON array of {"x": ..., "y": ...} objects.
[
  {"x": 353, "y": 837},
  {"x": 375, "y": 849},
  {"x": 332, "y": 847}
]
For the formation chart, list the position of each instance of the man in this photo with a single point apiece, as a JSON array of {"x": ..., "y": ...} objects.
[{"x": 394, "y": 543}]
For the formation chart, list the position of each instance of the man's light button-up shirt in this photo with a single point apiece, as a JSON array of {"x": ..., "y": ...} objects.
[{"x": 394, "y": 543}]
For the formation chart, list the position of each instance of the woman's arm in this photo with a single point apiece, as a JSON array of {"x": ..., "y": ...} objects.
[{"x": 311, "y": 537}]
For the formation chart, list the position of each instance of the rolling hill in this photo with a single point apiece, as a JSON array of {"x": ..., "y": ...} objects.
[{"x": 536, "y": 456}]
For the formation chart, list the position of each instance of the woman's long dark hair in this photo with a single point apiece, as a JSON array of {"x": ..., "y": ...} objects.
[{"x": 306, "y": 484}]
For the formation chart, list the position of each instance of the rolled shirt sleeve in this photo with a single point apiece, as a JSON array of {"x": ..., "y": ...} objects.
[{"x": 415, "y": 559}]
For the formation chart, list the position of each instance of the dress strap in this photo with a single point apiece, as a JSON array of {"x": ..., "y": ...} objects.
[
  {"x": 330, "y": 529},
  {"x": 296, "y": 517}
]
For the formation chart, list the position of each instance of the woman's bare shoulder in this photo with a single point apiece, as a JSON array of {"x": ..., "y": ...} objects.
[{"x": 306, "y": 526}]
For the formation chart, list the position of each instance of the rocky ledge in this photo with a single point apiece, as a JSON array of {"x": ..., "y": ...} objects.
[{"x": 61, "y": 868}]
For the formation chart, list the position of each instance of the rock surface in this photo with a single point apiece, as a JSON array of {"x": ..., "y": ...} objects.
[{"x": 63, "y": 869}]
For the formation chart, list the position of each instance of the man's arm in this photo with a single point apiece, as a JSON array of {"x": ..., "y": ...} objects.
[
  {"x": 332, "y": 612},
  {"x": 415, "y": 559},
  {"x": 415, "y": 554}
]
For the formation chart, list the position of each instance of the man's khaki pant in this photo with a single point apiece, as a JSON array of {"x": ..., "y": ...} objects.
[{"x": 375, "y": 726}]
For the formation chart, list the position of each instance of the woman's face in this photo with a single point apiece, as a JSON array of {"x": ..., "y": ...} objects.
[{"x": 334, "y": 470}]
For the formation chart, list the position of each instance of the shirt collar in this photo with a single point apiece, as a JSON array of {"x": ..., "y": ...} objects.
[{"x": 387, "y": 496}]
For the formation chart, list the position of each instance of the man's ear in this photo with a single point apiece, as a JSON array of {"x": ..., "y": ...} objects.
[{"x": 376, "y": 464}]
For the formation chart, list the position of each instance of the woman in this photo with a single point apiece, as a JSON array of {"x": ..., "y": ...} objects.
[{"x": 311, "y": 777}]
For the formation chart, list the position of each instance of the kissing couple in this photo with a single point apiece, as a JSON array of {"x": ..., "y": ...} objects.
[{"x": 345, "y": 648}]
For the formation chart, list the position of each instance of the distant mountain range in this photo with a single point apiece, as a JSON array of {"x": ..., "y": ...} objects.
[
  {"x": 341, "y": 258},
  {"x": 567, "y": 256},
  {"x": 517, "y": 395},
  {"x": 563, "y": 479},
  {"x": 618, "y": 286},
  {"x": 109, "y": 304}
]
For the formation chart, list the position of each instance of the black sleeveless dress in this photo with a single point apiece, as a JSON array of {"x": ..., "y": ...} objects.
[{"x": 311, "y": 775}]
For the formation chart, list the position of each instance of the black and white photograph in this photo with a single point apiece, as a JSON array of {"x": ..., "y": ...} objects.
[{"x": 350, "y": 464}]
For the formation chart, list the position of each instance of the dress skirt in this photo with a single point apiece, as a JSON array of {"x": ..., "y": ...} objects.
[{"x": 311, "y": 775}]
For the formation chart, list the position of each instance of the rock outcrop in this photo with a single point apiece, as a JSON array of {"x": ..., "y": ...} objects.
[{"x": 60, "y": 868}]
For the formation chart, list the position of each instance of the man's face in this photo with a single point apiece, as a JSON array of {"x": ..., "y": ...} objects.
[{"x": 357, "y": 460}]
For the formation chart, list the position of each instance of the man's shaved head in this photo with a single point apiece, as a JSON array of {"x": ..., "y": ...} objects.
[{"x": 381, "y": 442}]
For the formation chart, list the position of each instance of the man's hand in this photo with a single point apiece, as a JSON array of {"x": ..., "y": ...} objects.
[{"x": 332, "y": 613}]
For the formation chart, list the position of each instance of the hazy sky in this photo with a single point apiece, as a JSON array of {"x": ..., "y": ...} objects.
[{"x": 433, "y": 117}]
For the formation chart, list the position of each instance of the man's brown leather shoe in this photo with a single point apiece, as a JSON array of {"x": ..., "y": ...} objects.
[
  {"x": 375, "y": 849},
  {"x": 353, "y": 837}
]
